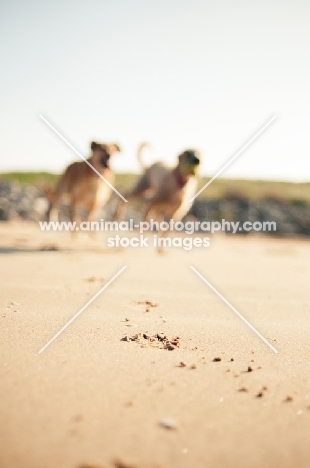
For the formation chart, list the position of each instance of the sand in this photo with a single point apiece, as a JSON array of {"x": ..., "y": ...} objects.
[{"x": 109, "y": 393}]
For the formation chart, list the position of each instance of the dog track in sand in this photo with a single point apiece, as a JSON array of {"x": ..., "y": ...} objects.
[
  {"x": 148, "y": 304},
  {"x": 116, "y": 464},
  {"x": 159, "y": 340}
]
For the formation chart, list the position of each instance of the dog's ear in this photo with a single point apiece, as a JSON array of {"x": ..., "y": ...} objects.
[
  {"x": 185, "y": 153},
  {"x": 93, "y": 145},
  {"x": 114, "y": 148}
]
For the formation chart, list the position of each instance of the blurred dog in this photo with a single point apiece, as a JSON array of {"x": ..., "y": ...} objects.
[
  {"x": 83, "y": 186},
  {"x": 169, "y": 189}
]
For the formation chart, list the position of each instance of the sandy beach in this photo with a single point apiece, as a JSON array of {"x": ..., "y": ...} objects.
[{"x": 157, "y": 372}]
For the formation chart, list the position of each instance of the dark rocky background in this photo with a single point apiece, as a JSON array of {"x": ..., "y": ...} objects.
[{"x": 28, "y": 202}]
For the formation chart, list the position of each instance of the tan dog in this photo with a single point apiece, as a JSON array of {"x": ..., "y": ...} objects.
[
  {"x": 83, "y": 186},
  {"x": 169, "y": 189}
]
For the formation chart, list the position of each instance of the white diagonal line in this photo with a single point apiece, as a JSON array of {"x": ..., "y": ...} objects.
[
  {"x": 81, "y": 310},
  {"x": 235, "y": 310},
  {"x": 81, "y": 156},
  {"x": 233, "y": 158}
]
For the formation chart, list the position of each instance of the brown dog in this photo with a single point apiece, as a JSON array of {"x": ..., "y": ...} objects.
[
  {"x": 169, "y": 189},
  {"x": 83, "y": 186}
]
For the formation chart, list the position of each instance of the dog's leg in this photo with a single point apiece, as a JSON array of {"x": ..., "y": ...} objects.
[
  {"x": 177, "y": 216},
  {"x": 53, "y": 211},
  {"x": 162, "y": 235},
  {"x": 139, "y": 189},
  {"x": 72, "y": 216},
  {"x": 93, "y": 211},
  {"x": 146, "y": 211},
  {"x": 119, "y": 211},
  {"x": 162, "y": 214},
  {"x": 159, "y": 216}
]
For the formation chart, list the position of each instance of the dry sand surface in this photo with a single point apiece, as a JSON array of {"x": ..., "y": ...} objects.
[{"x": 105, "y": 395}]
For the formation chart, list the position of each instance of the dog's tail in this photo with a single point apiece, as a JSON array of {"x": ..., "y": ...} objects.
[{"x": 139, "y": 154}]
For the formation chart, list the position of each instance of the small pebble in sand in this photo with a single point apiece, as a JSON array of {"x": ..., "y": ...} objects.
[
  {"x": 182, "y": 364},
  {"x": 264, "y": 388},
  {"x": 121, "y": 464},
  {"x": 168, "y": 423},
  {"x": 259, "y": 395},
  {"x": 87, "y": 465},
  {"x": 148, "y": 303},
  {"x": 243, "y": 389},
  {"x": 232, "y": 359},
  {"x": 193, "y": 366},
  {"x": 217, "y": 359},
  {"x": 250, "y": 369},
  {"x": 170, "y": 347},
  {"x": 288, "y": 398},
  {"x": 78, "y": 418}
]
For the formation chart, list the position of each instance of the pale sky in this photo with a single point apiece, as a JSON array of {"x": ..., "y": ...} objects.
[{"x": 206, "y": 74}]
